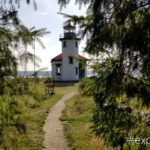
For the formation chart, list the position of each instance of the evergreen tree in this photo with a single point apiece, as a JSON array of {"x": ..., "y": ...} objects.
[
  {"x": 121, "y": 27},
  {"x": 14, "y": 36}
]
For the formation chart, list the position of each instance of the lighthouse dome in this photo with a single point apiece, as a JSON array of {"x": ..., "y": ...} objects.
[{"x": 69, "y": 27}]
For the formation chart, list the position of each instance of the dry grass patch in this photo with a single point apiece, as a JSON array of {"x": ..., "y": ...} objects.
[{"x": 77, "y": 118}]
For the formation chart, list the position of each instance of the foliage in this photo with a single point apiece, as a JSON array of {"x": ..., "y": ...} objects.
[
  {"x": 77, "y": 121},
  {"x": 8, "y": 66},
  {"x": 15, "y": 122},
  {"x": 114, "y": 117},
  {"x": 22, "y": 118},
  {"x": 17, "y": 86},
  {"x": 119, "y": 32},
  {"x": 86, "y": 86},
  {"x": 14, "y": 37},
  {"x": 48, "y": 80},
  {"x": 10, "y": 112}
]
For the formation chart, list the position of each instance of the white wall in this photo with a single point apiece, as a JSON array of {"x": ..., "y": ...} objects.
[
  {"x": 54, "y": 75},
  {"x": 69, "y": 69}
]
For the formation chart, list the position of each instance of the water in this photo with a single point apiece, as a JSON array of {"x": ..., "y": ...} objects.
[
  {"x": 46, "y": 73},
  {"x": 30, "y": 73}
]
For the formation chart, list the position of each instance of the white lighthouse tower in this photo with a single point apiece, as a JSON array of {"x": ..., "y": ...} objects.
[
  {"x": 65, "y": 66},
  {"x": 70, "y": 67}
]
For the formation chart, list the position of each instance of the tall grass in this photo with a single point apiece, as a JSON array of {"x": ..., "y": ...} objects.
[
  {"x": 22, "y": 116},
  {"x": 77, "y": 118}
]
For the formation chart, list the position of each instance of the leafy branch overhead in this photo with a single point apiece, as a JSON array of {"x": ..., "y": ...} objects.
[
  {"x": 116, "y": 25},
  {"x": 15, "y": 38},
  {"x": 119, "y": 33}
]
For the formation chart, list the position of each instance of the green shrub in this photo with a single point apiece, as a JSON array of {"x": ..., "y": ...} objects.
[
  {"x": 48, "y": 80},
  {"x": 86, "y": 86},
  {"x": 10, "y": 120},
  {"x": 17, "y": 86}
]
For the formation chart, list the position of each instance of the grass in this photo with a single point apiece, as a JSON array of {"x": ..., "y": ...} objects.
[
  {"x": 65, "y": 87},
  {"x": 35, "y": 119},
  {"x": 23, "y": 117},
  {"x": 77, "y": 122}
]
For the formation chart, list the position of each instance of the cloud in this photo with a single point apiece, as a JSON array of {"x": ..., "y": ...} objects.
[{"x": 42, "y": 13}]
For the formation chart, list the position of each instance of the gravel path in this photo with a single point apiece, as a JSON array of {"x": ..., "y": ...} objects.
[{"x": 54, "y": 132}]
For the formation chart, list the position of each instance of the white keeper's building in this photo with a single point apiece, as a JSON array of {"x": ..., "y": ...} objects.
[{"x": 65, "y": 66}]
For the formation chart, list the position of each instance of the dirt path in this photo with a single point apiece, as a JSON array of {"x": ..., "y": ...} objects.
[{"x": 54, "y": 132}]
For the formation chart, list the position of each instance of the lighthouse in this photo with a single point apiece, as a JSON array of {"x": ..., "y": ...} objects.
[{"x": 65, "y": 66}]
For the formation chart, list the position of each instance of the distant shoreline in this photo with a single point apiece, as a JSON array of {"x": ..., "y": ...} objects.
[
  {"x": 30, "y": 73},
  {"x": 45, "y": 73}
]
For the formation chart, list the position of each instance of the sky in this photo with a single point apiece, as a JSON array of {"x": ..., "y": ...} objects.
[{"x": 46, "y": 16}]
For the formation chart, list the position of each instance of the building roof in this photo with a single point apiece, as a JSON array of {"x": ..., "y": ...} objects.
[
  {"x": 59, "y": 58},
  {"x": 69, "y": 26}
]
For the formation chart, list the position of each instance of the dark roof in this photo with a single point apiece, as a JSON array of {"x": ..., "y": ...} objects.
[
  {"x": 69, "y": 26},
  {"x": 59, "y": 57}
]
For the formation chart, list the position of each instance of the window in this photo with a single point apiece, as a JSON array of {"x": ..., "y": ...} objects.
[
  {"x": 64, "y": 44},
  {"x": 76, "y": 70},
  {"x": 76, "y": 43},
  {"x": 58, "y": 70},
  {"x": 70, "y": 60}
]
